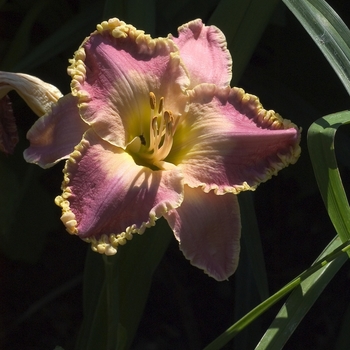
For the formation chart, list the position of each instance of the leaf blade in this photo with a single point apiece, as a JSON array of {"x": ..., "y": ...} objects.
[
  {"x": 329, "y": 33},
  {"x": 300, "y": 301}
]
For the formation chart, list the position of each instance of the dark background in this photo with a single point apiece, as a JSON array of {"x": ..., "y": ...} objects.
[{"x": 186, "y": 309}]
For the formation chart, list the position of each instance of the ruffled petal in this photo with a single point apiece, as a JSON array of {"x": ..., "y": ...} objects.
[
  {"x": 107, "y": 197},
  {"x": 204, "y": 51},
  {"x": 113, "y": 73},
  {"x": 38, "y": 95},
  {"x": 208, "y": 229},
  {"x": 8, "y": 128},
  {"x": 53, "y": 136},
  {"x": 228, "y": 142}
]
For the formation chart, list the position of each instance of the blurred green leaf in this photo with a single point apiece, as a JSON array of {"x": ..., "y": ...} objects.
[
  {"x": 321, "y": 148},
  {"x": 21, "y": 41},
  {"x": 300, "y": 301},
  {"x": 329, "y": 33},
  {"x": 2, "y": 2},
  {"x": 70, "y": 34},
  {"x": 114, "y": 8},
  {"x": 25, "y": 218},
  {"x": 243, "y": 23},
  {"x": 140, "y": 13},
  {"x": 251, "y": 239},
  {"x": 144, "y": 16},
  {"x": 129, "y": 281},
  {"x": 343, "y": 339},
  {"x": 251, "y": 285}
]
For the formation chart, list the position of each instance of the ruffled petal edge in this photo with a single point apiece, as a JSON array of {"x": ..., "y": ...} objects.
[
  {"x": 168, "y": 195},
  {"x": 217, "y": 110}
]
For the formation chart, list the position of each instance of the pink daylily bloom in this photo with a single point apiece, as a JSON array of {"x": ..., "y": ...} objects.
[
  {"x": 152, "y": 129},
  {"x": 38, "y": 95}
]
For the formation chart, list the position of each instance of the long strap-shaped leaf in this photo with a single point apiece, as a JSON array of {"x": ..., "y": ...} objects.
[
  {"x": 335, "y": 255},
  {"x": 328, "y": 31},
  {"x": 300, "y": 301},
  {"x": 333, "y": 38},
  {"x": 321, "y": 148}
]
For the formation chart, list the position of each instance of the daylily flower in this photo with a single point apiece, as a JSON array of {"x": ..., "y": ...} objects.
[
  {"x": 152, "y": 129},
  {"x": 36, "y": 93}
]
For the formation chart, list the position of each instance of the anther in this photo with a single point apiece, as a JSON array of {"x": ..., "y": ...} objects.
[
  {"x": 152, "y": 100},
  {"x": 168, "y": 116},
  {"x": 161, "y": 104},
  {"x": 162, "y": 127}
]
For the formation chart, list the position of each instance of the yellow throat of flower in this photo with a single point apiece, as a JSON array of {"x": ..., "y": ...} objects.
[{"x": 150, "y": 148}]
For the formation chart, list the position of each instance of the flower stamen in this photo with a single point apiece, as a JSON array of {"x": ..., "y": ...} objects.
[
  {"x": 161, "y": 105},
  {"x": 162, "y": 129},
  {"x": 152, "y": 100}
]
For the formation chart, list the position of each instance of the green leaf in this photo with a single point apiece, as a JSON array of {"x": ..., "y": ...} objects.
[
  {"x": 115, "y": 291},
  {"x": 2, "y": 2},
  {"x": 321, "y": 148},
  {"x": 251, "y": 239},
  {"x": 343, "y": 339},
  {"x": 65, "y": 37},
  {"x": 114, "y": 8},
  {"x": 236, "y": 328},
  {"x": 329, "y": 33},
  {"x": 322, "y": 152},
  {"x": 143, "y": 18},
  {"x": 28, "y": 212},
  {"x": 21, "y": 42},
  {"x": 300, "y": 301},
  {"x": 251, "y": 285}
]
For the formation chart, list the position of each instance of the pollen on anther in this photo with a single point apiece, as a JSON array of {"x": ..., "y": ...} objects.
[
  {"x": 167, "y": 115},
  {"x": 161, "y": 104},
  {"x": 152, "y": 100}
]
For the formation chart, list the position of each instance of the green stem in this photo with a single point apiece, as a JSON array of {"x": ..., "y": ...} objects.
[{"x": 231, "y": 332}]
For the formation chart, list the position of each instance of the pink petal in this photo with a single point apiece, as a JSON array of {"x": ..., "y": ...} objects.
[
  {"x": 107, "y": 197},
  {"x": 204, "y": 51},
  {"x": 8, "y": 128},
  {"x": 38, "y": 95},
  {"x": 208, "y": 228},
  {"x": 229, "y": 143},
  {"x": 54, "y": 135},
  {"x": 113, "y": 74}
]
